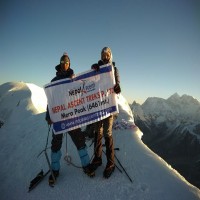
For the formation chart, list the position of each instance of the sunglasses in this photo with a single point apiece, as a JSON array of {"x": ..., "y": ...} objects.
[{"x": 64, "y": 62}]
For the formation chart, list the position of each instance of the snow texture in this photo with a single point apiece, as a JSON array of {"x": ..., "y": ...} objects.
[{"x": 23, "y": 136}]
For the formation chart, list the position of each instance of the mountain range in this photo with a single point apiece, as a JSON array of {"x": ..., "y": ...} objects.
[{"x": 171, "y": 128}]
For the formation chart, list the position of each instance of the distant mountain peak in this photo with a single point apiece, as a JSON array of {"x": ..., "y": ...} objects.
[
  {"x": 175, "y": 96},
  {"x": 185, "y": 99},
  {"x": 189, "y": 98}
]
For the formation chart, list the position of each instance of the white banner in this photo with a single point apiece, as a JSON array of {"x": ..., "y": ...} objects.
[{"x": 87, "y": 98}]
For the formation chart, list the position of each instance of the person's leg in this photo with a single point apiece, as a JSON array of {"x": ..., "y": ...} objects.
[
  {"x": 107, "y": 131},
  {"x": 97, "y": 160},
  {"x": 79, "y": 140},
  {"x": 56, "y": 145}
]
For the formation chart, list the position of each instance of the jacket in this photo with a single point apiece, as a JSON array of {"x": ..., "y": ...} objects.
[
  {"x": 60, "y": 75},
  {"x": 116, "y": 71}
]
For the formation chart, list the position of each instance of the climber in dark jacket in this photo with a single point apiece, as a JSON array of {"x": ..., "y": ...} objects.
[
  {"x": 63, "y": 70},
  {"x": 104, "y": 127}
]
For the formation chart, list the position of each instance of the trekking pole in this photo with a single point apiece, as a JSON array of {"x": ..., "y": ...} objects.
[
  {"x": 41, "y": 174},
  {"x": 46, "y": 143},
  {"x": 123, "y": 169},
  {"x": 67, "y": 157},
  {"x": 46, "y": 155}
]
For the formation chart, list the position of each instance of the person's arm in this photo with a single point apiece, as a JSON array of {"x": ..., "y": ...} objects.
[
  {"x": 117, "y": 88},
  {"x": 95, "y": 67},
  {"x": 47, "y": 117},
  {"x": 117, "y": 78}
]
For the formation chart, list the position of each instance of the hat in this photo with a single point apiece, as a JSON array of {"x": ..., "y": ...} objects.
[
  {"x": 107, "y": 49},
  {"x": 63, "y": 56}
]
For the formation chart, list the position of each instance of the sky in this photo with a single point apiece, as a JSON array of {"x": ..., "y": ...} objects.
[
  {"x": 155, "y": 43},
  {"x": 152, "y": 178}
]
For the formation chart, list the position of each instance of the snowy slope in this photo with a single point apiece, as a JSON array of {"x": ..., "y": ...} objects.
[
  {"x": 24, "y": 134},
  {"x": 171, "y": 128}
]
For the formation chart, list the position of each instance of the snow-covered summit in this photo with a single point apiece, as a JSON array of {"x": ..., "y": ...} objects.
[
  {"x": 22, "y": 141},
  {"x": 14, "y": 95},
  {"x": 185, "y": 99},
  {"x": 174, "y": 108},
  {"x": 174, "y": 97}
]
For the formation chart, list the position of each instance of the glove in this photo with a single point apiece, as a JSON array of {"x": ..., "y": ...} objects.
[
  {"x": 72, "y": 76},
  {"x": 95, "y": 67},
  {"x": 100, "y": 62},
  {"x": 117, "y": 89},
  {"x": 49, "y": 121}
]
